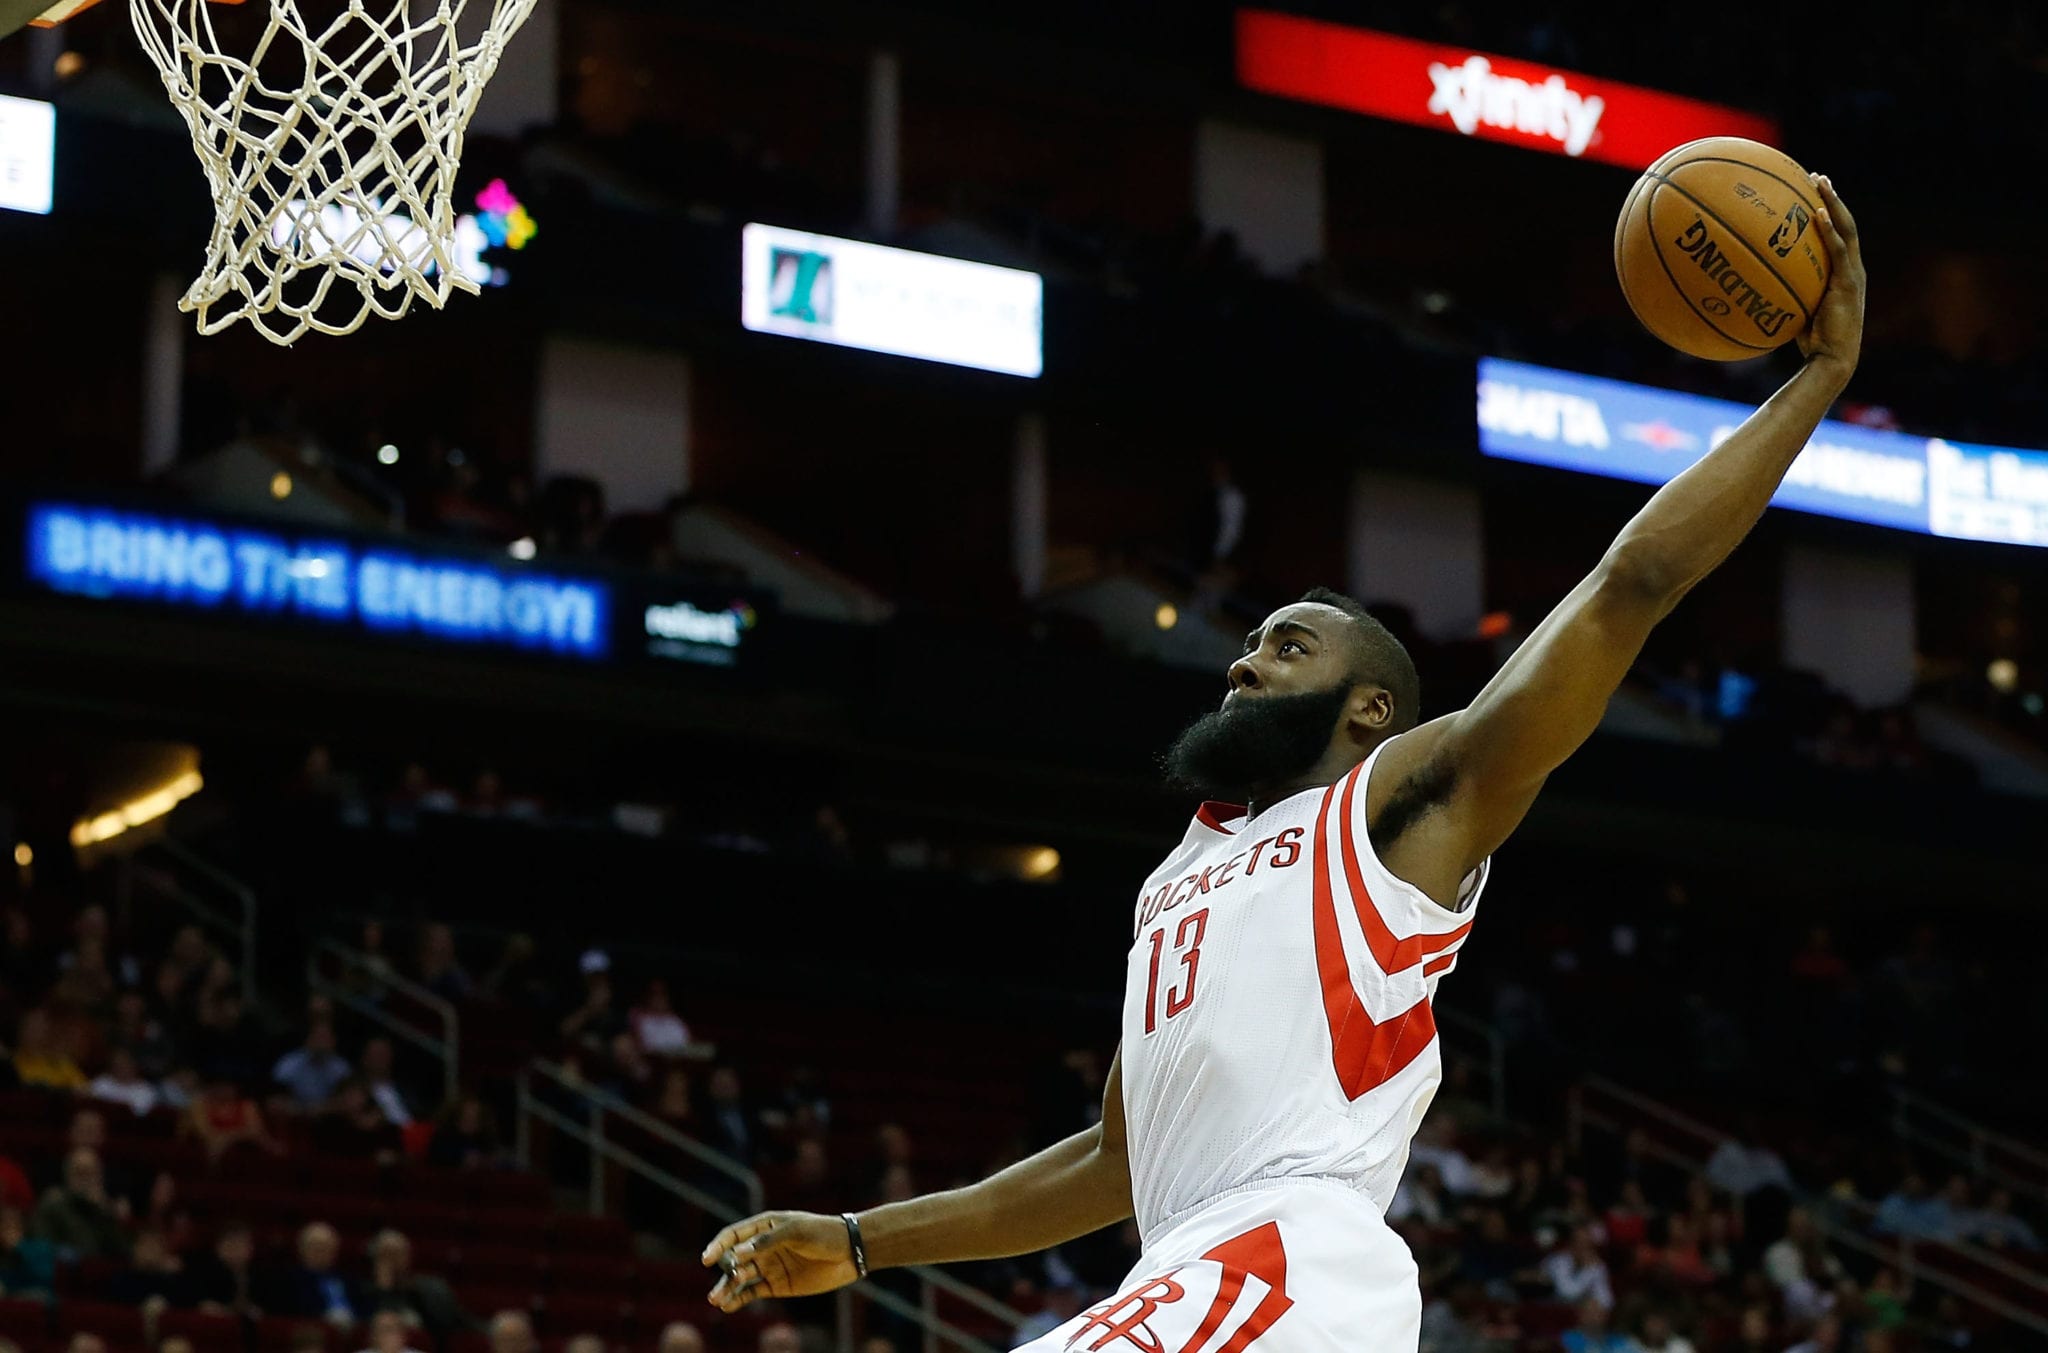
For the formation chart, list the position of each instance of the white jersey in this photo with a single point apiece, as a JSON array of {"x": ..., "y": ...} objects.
[{"x": 1277, "y": 1021}]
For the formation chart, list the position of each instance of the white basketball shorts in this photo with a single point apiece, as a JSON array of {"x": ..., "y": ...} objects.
[{"x": 1290, "y": 1266}]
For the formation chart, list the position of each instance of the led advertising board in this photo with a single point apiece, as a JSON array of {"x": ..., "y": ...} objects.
[
  {"x": 1637, "y": 432},
  {"x": 1455, "y": 89},
  {"x": 891, "y": 300}
]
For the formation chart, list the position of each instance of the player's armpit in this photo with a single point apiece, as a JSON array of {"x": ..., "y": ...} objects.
[{"x": 1481, "y": 768}]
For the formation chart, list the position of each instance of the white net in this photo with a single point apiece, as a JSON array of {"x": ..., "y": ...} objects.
[{"x": 330, "y": 146}]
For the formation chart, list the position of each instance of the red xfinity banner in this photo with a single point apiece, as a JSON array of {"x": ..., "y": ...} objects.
[{"x": 1458, "y": 90}]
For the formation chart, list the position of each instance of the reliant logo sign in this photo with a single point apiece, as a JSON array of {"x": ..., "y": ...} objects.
[
  {"x": 1477, "y": 94},
  {"x": 680, "y": 630}
]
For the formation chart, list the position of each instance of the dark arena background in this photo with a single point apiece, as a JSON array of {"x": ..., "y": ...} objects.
[{"x": 489, "y": 798}]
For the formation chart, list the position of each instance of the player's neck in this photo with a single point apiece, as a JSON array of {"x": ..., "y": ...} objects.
[{"x": 1334, "y": 766}]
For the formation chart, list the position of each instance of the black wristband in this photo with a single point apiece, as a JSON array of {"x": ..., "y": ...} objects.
[{"x": 860, "y": 1251}]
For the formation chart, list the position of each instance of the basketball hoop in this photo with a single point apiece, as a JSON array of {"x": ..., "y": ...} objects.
[{"x": 331, "y": 150}]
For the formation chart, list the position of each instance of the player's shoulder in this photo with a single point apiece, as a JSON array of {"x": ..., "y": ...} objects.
[{"x": 1410, "y": 769}]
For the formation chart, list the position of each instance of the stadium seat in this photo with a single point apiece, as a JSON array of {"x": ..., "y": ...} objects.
[
  {"x": 274, "y": 1334},
  {"x": 208, "y": 1333},
  {"x": 24, "y": 1320},
  {"x": 118, "y": 1325}
]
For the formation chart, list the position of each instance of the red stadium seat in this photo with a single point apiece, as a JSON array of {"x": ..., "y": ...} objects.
[
  {"x": 567, "y": 1314},
  {"x": 208, "y": 1333},
  {"x": 595, "y": 1235},
  {"x": 24, "y": 1320},
  {"x": 502, "y": 1266},
  {"x": 116, "y": 1324},
  {"x": 274, "y": 1334},
  {"x": 593, "y": 1273}
]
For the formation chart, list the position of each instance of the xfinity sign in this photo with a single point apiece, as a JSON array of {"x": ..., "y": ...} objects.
[
  {"x": 1472, "y": 93},
  {"x": 894, "y": 301},
  {"x": 1636, "y": 432}
]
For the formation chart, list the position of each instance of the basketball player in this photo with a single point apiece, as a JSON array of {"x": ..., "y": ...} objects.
[{"x": 1278, "y": 1048}]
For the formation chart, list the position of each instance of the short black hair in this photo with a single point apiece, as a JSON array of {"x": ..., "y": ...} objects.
[{"x": 1381, "y": 659}]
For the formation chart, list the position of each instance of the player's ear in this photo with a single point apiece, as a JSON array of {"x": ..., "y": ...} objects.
[{"x": 1372, "y": 708}]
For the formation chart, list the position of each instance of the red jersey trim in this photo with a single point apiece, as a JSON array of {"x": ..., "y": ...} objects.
[
  {"x": 1215, "y": 816},
  {"x": 1390, "y": 953},
  {"x": 1365, "y": 1053}
]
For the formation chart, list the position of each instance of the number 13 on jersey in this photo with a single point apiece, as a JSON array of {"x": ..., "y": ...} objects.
[{"x": 1187, "y": 947}]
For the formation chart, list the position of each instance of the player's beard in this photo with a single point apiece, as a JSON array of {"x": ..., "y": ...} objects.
[{"x": 1254, "y": 743}]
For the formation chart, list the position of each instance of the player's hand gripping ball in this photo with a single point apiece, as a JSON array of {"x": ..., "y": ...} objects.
[{"x": 1720, "y": 249}]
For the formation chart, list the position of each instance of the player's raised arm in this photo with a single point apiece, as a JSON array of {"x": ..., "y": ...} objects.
[
  {"x": 1487, "y": 761},
  {"x": 1073, "y": 1187}
]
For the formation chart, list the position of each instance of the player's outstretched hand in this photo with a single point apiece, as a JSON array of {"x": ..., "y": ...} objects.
[
  {"x": 779, "y": 1254},
  {"x": 1835, "y": 336}
]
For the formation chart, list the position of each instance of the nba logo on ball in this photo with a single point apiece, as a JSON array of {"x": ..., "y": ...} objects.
[{"x": 1713, "y": 249}]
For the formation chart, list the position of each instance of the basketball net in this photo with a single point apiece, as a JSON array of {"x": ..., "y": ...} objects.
[{"x": 330, "y": 151}]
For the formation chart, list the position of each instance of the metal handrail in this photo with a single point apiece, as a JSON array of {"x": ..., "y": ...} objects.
[
  {"x": 447, "y": 1049},
  {"x": 653, "y": 1126},
  {"x": 1983, "y": 1142},
  {"x": 1817, "y": 1208},
  {"x": 243, "y": 930},
  {"x": 592, "y": 1136},
  {"x": 1496, "y": 1053}
]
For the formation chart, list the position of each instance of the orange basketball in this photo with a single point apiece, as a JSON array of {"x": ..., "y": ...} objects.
[{"x": 1719, "y": 250}]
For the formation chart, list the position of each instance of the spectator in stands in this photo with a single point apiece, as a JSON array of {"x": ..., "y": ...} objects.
[
  {"x": 15, "y": 1190},
  {"x": 24, "y": 967},
  {"x": 422, "y": 1299},
  {"x": 1910, "y": 1210},
  {"x": 1434, "y": 1146},
  {"x": 811, "y": 1186},
  {"x": 595, "y": 1022},
  {"x": 466, "y": 1138},
  {"x": 226, "y": 1043},
  {"x": 1062, "y": 1303},
  {"x": 222, "y": 1281},
  {"x": 729, "y": 1125},
  {"x": 1884, "y": 1300},
  {"x": 680, "y": 1337},
  {"x": 378, "y": 1083},
  {"x": 82, "y": 1342},
  {"x": 1591, "y": 1334},
  {"x": 1825, "y": 1337},
  {"x": 1629, "y": 1218},
  {"x": 1801, "y": 1267},
  {"x": 512, "y": 1332},
  {"x": 153, "y": 1273},
  {"x": 780, "y": 1337},
  {"x": 801, "y": 1107},
  {"x": 313, "y": 1071},
  {"x": 440, "y": 971},
  {"x": 40, "y": 1060},
  {"x": 1456, "y": 1323},
  {"x": 584, "y": 1343},
  {"x": 354, "y": 1128},
  {"x": 224, "y": 1118},
  {"x": 1577, "y": 1273},
  {"x": 672, "y": 1102},
  {"x": 77, "y": 1216},
  {"x": 1654, "y": 1334},
  {"x": 659, "y": 1029},
  {"x": 1491, "y": 1259},
  {"x": 316, "y": 1289},
  {"x": 1420, "y": 1197},
  {"x": 28, "y": 1264},
  {"x": 175, "y": 1343},
  {"x": 389, "y": 1333},
  {"x": 1678, "y": 1258},
  {"x": 179, "y": 975},
  {"x": 517, "y": 980},
  {"x": 1994, "y": 1224},
  {"x": 142, "y": 1036},
  {"x": 629, "y": 1072},
  {"x": 122, "y": 1083},
  {"x": 1740, "y": 1169}
]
